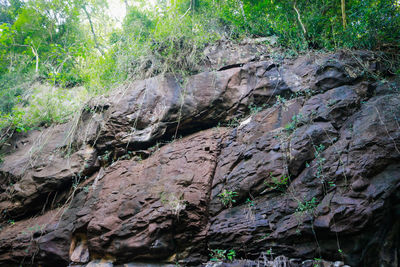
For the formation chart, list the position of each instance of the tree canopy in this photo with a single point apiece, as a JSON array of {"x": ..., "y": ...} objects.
[{"x": 69, "y": 43}]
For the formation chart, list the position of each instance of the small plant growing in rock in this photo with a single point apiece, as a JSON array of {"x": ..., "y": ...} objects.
[
  {"x": 254, "y": 109},
  {"x": 217, "y": 255},
  {"x": 291, "y": 126},
  {"x": 331, "y": 184},
  {"x": 227, "y": 197},
  {"x": 280, "y": 101},
  {"x": 278, "y": 183},
  {"x": 231, "y": 255},
  {"x": 307, "y": 206},
  {"x": 233, "y": 123},
  {"x": 264, "y": 236},
  {"x": 317, "y": 262},
  {"x": 320, "y": 163},
  {"x": 249, "y": 202}
]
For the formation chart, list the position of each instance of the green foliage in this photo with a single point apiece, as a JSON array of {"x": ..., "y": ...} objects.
[
  {"x": 231, "y": 255},
  {"x": 370, "y": 24},
  {"x": 227, "y": 197},
  {"x": 13, "y": 84},
  {"x": 39, "y": 40},
  {"x": 291, "y": 126},
  {"x": 102, "y": 73},
  {"x": 47, "y": 105},
  {"x": 152, "y": 43},
  {"x": 307, "y": 206},
  {"x": 320, "y": 164},
  {"x": 250, "y": 203},
  {"x": 219, "y": 255},
  {"x": 317, "y": 262},
  {"x": 373, "y": 24},
  {"x": 15, "y": 121},
  {"x": 254, "y": 109},
  {"x": 280, "y": 101},
  {"x": 46, "y": 41},
  {"x": 264, "y": 236},
  {"x": 233, "y": 123},
  {"x": 278, "y": 183},
  {"x": 53, "y": 106}
]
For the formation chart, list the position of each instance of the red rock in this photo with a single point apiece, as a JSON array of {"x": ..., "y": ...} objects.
[{"x": 321, "y": 184}]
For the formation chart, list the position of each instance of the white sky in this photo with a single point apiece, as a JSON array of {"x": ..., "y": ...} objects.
[{"x": 117, "y": 8}]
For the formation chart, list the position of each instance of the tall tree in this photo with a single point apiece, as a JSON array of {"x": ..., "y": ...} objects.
[
  {"x": 343, "y": 7},
  {"x": 88, "y": 16}
]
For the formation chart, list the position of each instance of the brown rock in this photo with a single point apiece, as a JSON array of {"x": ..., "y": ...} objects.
[
  {"x": 132, "y": 220},
  {"x": 38, "y": 166},
  {"x": 226, "y": 54},
  {"x": 316, "y": 176}
]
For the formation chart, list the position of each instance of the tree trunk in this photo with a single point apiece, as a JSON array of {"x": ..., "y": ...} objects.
[
  {"x": 242, "y": 10},
  {"x": 96, "y": 43},
  {"x": 192, "y": 5},
  {"x": 299, "y": 17},
  {"x": 35, "y": 52},
  {"x": 343, "y": 4}
]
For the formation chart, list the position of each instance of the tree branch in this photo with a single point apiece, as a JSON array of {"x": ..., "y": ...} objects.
[
  {"x": 299, "y": 17},
  {"x": 343, "y": 5},
  {"x": 96, "y": 43}
]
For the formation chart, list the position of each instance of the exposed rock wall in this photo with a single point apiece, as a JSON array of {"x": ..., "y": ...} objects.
[{"x": 305, "y": 151}]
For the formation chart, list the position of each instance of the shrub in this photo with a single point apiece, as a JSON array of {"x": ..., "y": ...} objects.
[
  {"x": 47, "y": 105},
  {"x": 278, "y": 183},
  {"x": 307, "y": 206},
  {"x": 227, "y": 197},
  {"x": 219, "y": 255}
]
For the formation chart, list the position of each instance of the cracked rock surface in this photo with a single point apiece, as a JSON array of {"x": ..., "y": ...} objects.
[{"x": 294, "y": 161}]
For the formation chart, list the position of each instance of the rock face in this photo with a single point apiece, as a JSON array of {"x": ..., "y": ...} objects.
[{"x": 280, "y": 162}]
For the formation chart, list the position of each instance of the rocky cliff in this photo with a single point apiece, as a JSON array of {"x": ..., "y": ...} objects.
[{"x": 261, "y": 161}]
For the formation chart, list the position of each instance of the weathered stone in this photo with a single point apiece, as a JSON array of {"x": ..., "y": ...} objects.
[
  {"x": 273, "y": 221},
  {"x": 37, "y": 169},
  {"x": 100, "y": 263},
  {"x": 132, "y": 220},
  {"x": 79, "y": 251},
  {"x": 312, "y": 178},
  {"x": 226, "y": 54}
]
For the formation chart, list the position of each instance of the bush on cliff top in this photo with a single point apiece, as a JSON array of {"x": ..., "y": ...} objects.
[{"x": 168, "y": 37}]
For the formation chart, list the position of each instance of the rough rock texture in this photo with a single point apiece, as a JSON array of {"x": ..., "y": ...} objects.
[
  {"x": 226, "y": 54},
  {"x": 284, "y": 162},
  {"x": 37, "y": 172}
]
